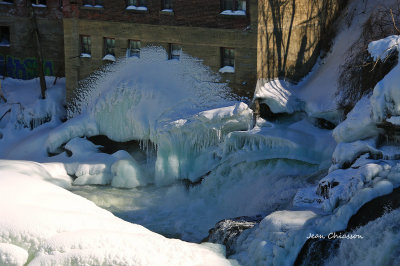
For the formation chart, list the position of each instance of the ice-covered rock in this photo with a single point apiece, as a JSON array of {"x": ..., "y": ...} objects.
[
  {"x": 278, "y": 96},
  {"x": 358, "y": 124}
]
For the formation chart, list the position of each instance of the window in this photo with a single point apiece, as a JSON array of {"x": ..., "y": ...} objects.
[
  {"x": 174, "y": 51},
  {"x": 227, "y": 60},
  {"x": 109, "y": 46},
  {"x": 233, "y": 7},
  {"x": 85, "y": 46},
  {"x": 93, "y": 3},
  {"x": 167, "y": 4},
  {"x": 137, "y": 4},
  {"x": 38, "y": 2},
  {"x": 4, "y": 36},
  {"x": 134, "y": 48}
]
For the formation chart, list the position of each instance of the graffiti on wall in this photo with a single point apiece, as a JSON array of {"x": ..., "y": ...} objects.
[{"x": 26, "y": 68}]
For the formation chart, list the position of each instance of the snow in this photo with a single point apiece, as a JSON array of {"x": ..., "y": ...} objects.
[
  {"x": 279, "y": 237},
  {"x": 109, "y": 57},
  {"x": 95, "y": 6},
  {"x": 38, "y": 5},
  {"x": 381, "y": 49},
  {"x": 234, "y": 12},
  {"x": 385, "y": 99},
  {"x": 140, "y": 8},
  {"x": 395, "y": 120},
  {"x": 167, "y": 10},
  {"x": 71, "y": 230},
  {"x": 128, "y": 174},
  {"x": 84, "y": 55},
  {"x": 12, "y": 255},
  {"x": 25, "y": 110},
  {"x": 278, "y": 96},
  {"x": 347, "y": 152},
  {"x": 227, "y": 69},
  {"x": 359, "y": 123},
  {"x": 4, "y": 43}
]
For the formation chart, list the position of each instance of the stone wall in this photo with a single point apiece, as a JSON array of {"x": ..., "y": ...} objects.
[{"x": 290, "y": 35}]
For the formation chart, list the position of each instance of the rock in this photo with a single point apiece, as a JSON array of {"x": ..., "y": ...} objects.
[{"x": 227, "y": 231}]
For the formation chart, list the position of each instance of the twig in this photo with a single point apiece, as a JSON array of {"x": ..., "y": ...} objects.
[
  {"x": 394, "y": 22},
  {"x": 9, "y": 110}
]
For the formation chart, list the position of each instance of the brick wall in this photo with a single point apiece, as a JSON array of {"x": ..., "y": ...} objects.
[
  {"x": 18, "y": 60},
  {"x": 202, "y": 43},
  {"x": 194, "y": 25},
  {"x": 193, "y": 13}
]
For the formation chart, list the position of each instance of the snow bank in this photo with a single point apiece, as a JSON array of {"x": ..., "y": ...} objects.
[
  {"x": 278, "y": 95},
  {"x": 358, "y": 124},
  {"x": 25, "y": 108},
  {"x": 71, "y": 230},
  {"x": 381, "y": 49},
  {"x": 384, "y": 102}
]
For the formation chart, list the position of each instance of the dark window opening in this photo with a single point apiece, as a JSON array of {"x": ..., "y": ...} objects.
[
  {"x": 234, "y": 5},
  {"x": 137, "y": 3},
  {"x": 228, "y": 57},
  {"x": 85, "y": 45},
  {"x": 39, "y": 2},
  {"x": 4, "y": 36},
  {"x": 98, "y": 3},
  {"x": 134, "y": 48},
  {"x": 167, "y": 4},
  {"x": 109, "y": 46},
  {"x": 174, "y": 51}
]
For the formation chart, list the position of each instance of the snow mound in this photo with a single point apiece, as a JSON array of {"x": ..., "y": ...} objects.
[
  {"x": 279, "y": 96},
  {"x": 71, "y": 230},
  {"x": 381, "y": 49}
]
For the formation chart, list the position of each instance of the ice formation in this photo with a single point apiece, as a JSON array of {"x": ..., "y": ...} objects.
[{"x": 185, "y": 118}]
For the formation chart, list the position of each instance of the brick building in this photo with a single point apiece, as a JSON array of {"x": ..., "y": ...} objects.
[
  {"x": 18, "y": 49},
  {"x": 253, "y": 40},
  {"x": 198, "y": 28}
]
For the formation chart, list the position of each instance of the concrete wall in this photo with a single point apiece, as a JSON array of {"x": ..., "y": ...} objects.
[
  {"x": 19, "y": 59},
  {"x": 290, "y": 34}
]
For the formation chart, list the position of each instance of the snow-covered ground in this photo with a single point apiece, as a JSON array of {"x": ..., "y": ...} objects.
[{"x": 43, "y": 224}]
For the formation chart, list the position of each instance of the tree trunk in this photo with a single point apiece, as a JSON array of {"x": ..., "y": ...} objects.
[{"x": 39, "y": 51}]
